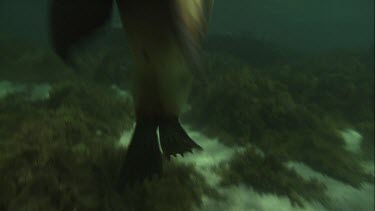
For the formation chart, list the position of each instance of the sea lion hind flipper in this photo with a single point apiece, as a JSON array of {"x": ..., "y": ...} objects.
[
  {"x": 143, "y": 159},
  {"x": 73, "y": 20},
  {"x": 174, "y": 139}
]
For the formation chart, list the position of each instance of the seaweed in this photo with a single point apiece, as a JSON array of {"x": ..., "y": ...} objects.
[
  {"x": 52, "y": 156},
  {"x": 267, "y": 174},
  {"x": 367, "y": 145},
  {"x": 61, "y": 153},
  {"x": 110, "y": 112},
  {"x": 338, "y": 84},
  {"x": 243, "y": 105},
  {"x": 180, "y": 188}
]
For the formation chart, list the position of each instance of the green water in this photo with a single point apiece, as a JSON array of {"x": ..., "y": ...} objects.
[{"x": 283, "y": 109}]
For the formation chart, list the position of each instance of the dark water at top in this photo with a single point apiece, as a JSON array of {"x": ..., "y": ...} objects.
[{"x": 319, "y": 24}]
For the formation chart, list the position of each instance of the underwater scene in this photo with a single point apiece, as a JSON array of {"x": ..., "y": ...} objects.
[{"x": 160, "y": 105}]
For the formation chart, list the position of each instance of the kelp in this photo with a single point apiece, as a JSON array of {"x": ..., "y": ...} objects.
[
  {"x": 243, "y": 105},
  {"x": 267, "y": 174},
  {"x": 61, "y": 153}
]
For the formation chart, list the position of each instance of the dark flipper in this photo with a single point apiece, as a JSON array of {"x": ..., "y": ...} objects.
[
  {"x": 174, "y": 139},
  {"x": 143, "y": 159},
  {"x": 73, "y": 20}
]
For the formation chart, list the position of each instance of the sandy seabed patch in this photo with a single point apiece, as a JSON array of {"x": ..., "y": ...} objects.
[{"x": 242, "y": 198}]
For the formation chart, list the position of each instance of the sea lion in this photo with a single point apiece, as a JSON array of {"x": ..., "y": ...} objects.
[{"x": 164, "y": 37}]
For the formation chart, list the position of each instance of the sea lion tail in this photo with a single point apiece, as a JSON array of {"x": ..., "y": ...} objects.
[
  {"x": 173, "y": 138},
  {"x": 143, "y": 159}
]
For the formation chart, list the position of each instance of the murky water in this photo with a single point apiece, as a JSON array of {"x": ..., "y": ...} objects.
[{"x": 281, "y": 101}]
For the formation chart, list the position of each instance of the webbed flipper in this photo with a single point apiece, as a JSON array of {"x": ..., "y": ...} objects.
[
  {"x": 73, "y": 20},
  {"x": 174, "y": 139},
  {"x": 143, "y": 159}
]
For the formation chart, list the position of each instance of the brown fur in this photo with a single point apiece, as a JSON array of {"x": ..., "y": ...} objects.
[{"x": 162, "y": 39}]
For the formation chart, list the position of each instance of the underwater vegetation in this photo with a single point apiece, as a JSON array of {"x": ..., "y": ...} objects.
[
  {"x": 292, "y": 111},
  {"x": 62, "y": 152},
  {"x": 268, "y": 175},
  {"x": 339, "y": 86}
]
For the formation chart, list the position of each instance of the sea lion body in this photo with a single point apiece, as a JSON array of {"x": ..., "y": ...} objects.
[
  {"x": 163, "y": 74},
  {"x": 164, "y": 37}
]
